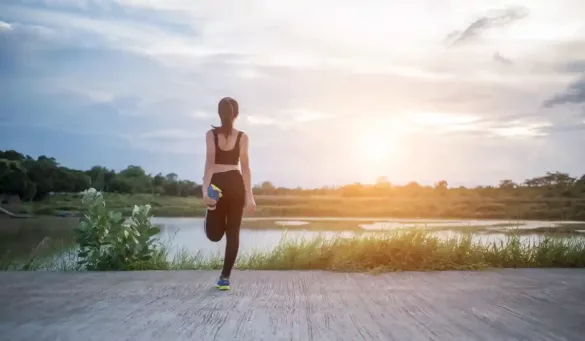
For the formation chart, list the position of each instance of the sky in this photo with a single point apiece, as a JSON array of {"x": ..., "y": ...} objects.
[{"x": 330, "y": 92}]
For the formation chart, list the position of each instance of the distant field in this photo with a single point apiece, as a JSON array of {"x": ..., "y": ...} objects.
[{"x": 435, "y": 206}]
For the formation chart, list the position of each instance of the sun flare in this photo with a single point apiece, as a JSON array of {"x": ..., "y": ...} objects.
[{"x": 376, "y": 148}]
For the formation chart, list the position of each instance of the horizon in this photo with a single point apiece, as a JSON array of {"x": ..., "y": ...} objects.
[
  {"x": 450, "y": 185},
  {"x": 467, "y": 93}
]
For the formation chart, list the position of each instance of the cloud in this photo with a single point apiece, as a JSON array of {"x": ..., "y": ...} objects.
[
  {"x": 307, "y": 115},
  {"x": 494, "y": 19},
  {"x": 479, "y": 125},
  {"x": 577, "y": 66},
  {"x": 201, "y": 115},
  {"x": 518, "y": 130},
  {"x": 502, "y": 60},
  {"x": 261, "y": 120},
  {"x": 150, "y": 73},
  {"x": 4, "y": 26},
  {"x": 139, "y": 37},
  {"x": 574, "y": 94}
]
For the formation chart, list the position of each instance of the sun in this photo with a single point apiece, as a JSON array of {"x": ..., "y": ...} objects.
[{"x": 376, "y": 147}]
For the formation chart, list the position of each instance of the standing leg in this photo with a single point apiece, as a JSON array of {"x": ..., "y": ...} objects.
[
  {"x": 215, "y": 221},
  {"x": 235, "y": 211}
]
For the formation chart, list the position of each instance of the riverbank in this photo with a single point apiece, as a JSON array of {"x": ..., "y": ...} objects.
[
  {"x": 402, "y": 250},
  {"x": 529, "y": 304},
  {"x": 449, "y": 206}
]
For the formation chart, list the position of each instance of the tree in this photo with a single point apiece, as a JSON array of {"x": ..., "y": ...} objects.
[
  {"x": 109, "y": 179},
  {"x": 267, "y": 186},
  {"x": 158, "y": 180},
  {"x": 441, "y": 185},
  {"x": 580, "y": 185},
  {"x": 43, "y": 172},
  {"x": 551, "y": 180},
  {"x": 121, "y": 185},
  {"x": 508, "y": 184},
  {"x": 383, "y": 182},
  {"x": 11, "y": 155},
  {"x": 97, "y": 174},
  {"x": 133, "y": 172},
  {"x": 14, "y": 179},
  {"x": 136, "y": 177},
  {"x": 172, "y": 177}
]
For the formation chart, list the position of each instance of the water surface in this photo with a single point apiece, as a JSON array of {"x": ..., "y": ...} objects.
[
  {"x": 20, "y": 237},
  {"x": 188, "y": 233}
]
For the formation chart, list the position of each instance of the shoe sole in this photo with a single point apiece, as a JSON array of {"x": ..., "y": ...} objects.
[{"x": 223, "y": 287}]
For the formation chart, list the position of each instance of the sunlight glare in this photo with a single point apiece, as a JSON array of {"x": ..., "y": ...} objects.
[{"x": 376, "y": 147}]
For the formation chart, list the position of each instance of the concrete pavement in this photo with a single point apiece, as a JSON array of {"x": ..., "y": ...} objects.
[{"x": 524, "y": 304}]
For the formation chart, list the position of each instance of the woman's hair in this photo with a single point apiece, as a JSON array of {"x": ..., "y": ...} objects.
[{"x": 228, "y": 110}]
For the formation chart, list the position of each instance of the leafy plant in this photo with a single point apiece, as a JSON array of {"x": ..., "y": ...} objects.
[{"x": 108, "y": 242}]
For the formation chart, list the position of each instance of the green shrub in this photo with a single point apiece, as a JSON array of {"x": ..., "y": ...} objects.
[{"x": 107, "y": 242}]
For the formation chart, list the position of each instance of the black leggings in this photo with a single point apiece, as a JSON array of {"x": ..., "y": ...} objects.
[{"x": 227, "y": 215}]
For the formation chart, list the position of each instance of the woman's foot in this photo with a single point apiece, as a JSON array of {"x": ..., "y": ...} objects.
[
  {"x": 223, "y": 283},
  {"x": 214, "y": 193}
]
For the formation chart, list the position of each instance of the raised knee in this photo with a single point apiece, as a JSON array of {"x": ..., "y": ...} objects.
[{"x": 214, "y": 238}]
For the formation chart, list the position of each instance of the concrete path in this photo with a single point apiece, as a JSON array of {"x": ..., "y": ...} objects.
[{"x": 269, "y": 305}]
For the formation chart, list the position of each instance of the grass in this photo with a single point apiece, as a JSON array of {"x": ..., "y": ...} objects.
[
  {"x": 401, "y": 250},
  {"x": 450, "y": 206}
]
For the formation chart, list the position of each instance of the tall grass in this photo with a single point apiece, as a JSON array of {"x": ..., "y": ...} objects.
[{"x": 407, "y": 250}]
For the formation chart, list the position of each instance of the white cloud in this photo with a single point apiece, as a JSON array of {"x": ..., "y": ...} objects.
[
  {"x": 517, "y": 130},
  {"x": 249, "y": 74},
  {"x": 4, "y": 26},
  {"x": 201, "y": 115},
  {"x": 260, "y": 120},
  {"x": 307, "y": 115},
  {"x": 349, "y": 35},
  {"x": 442, "y": 119},
  {"x": 298, "y": 65}
]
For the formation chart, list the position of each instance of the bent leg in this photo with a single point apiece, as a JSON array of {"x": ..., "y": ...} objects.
[{"x": 215, "y": 222}]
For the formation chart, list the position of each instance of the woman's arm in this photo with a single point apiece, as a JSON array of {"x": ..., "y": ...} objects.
[
  {"x": 246, "y": 172},
  {"x": 209, "y": 162}
]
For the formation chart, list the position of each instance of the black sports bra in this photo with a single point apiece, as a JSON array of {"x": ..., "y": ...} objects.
[{"x": 227, "y": 157}]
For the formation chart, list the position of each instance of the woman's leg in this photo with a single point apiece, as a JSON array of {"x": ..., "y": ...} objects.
[
  {"x": 215, "y": 221},
  {"x": 232, "y": 234},
  {"x": 234, "y": 212}
]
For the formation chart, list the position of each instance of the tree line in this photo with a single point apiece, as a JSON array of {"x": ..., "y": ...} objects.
[
  {"x": 552, "y": 184},
  {"x": 33, "y": 179}
]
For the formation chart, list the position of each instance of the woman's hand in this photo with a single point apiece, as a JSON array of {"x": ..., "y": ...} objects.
[
  {"x": 250, "y": 203},
  {"x": 207, "y": 201}
]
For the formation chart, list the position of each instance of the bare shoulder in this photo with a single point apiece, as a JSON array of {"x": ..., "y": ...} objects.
[
  {"x": 244, "y": 138},
  {"x": 209, "y": 140}
]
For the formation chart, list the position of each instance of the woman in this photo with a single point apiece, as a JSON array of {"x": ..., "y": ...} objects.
[{"x": 226, "y": 147}]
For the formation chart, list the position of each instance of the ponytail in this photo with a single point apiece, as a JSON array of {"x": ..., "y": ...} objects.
[{"x": 227, "y": 109}]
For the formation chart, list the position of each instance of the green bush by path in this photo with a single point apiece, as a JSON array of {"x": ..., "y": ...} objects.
[{"x": 107, "y": 242}]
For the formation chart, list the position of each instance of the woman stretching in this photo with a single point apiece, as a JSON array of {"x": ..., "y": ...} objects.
[{"x": 225, "y": 190}]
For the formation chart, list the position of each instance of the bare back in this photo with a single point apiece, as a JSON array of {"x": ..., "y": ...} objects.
[{"x": 226, "y": 144}]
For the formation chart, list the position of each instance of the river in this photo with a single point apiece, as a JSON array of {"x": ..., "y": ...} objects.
[
  {"x": 21, "y": 236},
  {"x": 188, "y": 233}
]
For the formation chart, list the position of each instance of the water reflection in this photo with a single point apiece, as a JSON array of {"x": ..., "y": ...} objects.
[
  {"x": 21, "y": 237},
  {"x": 188, "y": 233}
]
